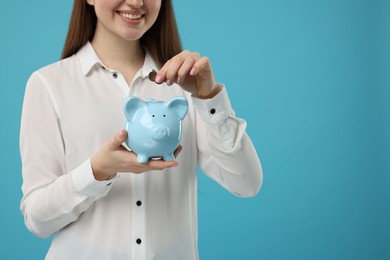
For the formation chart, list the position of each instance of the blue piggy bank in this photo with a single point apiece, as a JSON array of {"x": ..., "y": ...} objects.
[{"x": 154, "y": 128}]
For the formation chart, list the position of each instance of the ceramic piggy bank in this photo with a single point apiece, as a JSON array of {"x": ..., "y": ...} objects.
[{"x": 154, "y": 127}]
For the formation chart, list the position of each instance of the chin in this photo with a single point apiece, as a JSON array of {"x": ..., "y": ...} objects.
[{"x": 131, "y": 36}]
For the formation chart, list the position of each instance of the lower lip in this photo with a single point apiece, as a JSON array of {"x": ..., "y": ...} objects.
[{"x": 132, "y": 21}]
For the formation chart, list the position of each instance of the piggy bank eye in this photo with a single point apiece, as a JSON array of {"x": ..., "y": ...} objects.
[
  {"x": 152, "y": 115},
  {"x": 163, "y": 115}
]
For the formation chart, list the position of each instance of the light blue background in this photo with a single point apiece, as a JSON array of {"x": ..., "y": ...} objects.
[{"x": 312, "y": 78}]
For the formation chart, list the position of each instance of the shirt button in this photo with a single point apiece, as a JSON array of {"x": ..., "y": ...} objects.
[
  {"x": 212, "y": 111},
  {"x": 139, "y": 203},
  {"x": 138, "y": 241},
  {"x": 114, "y": 75}
]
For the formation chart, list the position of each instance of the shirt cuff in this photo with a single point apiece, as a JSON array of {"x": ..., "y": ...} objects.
[
  {"x": 215, "y": 110},
  {"x": 84, "y": 181}
]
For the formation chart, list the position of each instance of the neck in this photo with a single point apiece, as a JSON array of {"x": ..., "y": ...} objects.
[{"x": 119, "y": 54}]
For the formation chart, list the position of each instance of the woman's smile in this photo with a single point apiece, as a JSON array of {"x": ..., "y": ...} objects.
[{"x": 133, "y": 17}]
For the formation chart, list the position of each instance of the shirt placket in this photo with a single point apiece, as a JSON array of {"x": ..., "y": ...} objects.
[
  {"x": 138, "y": 202},
  {"x": 139, "y": 216},
  {"x": 119, "y": 80}
]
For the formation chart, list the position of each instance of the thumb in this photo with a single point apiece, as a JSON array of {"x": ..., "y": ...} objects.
[{"x": 118, "y": 139}]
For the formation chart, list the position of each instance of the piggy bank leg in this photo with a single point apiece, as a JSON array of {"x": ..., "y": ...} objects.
[
  {"x": 169, "y": 157},
  {"x": 142, "y": 158}
]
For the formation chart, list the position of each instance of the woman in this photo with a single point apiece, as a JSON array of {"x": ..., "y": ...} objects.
[{"x": 80, "y": 183}]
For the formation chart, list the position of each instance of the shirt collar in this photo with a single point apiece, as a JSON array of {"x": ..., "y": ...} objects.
[
  {"x": 89, "y": 60},
  {"x": 149, "y": 65}
]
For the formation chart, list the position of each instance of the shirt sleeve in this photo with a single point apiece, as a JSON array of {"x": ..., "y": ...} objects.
[
  {"x": 225, "y": 151},
  {"x": 52, "y": 196}
]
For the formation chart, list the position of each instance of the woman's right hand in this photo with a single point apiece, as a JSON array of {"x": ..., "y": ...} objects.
[{"x": 112, "y": 158}]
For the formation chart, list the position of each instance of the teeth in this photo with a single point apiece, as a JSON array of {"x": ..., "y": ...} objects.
[{"x": 131, "y": 16}]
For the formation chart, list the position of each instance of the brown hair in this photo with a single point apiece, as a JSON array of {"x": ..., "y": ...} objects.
[{"x": 162, "y": 39}]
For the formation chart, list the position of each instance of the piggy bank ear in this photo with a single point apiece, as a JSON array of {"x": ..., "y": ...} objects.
[
  {"x": 179, "y": 106},
  {"x": 132, "y": 105}
]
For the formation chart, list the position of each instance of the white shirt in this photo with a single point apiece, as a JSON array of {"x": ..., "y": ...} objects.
[{"x": 70, "y": 109}]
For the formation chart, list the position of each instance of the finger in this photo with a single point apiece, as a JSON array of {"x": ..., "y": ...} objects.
[
  {"x": 118, "y": 139},
  {"x": 168, "y": 73},
  {"x": 171, "y": 70},
  {"x": 203, "y": 64},
  {"x": 185, "y": 69},
  {"x": 160, "y": 164},
  {"x": 161, "y": 74},
  {"x": 178, "y": 150},
  {"x": 187, "y": 60}
]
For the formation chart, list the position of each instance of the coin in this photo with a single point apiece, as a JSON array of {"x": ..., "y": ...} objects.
[{"x": 152, "y": 75}]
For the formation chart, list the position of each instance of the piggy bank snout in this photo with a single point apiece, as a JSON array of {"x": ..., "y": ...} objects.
[{"x": 160, "y": 133}]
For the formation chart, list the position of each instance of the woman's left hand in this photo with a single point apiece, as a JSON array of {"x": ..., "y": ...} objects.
[{"x": 192, "y": 72}]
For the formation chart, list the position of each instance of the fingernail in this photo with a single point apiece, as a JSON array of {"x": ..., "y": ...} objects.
[
  {"x": 169, "y": 82},
  {"x": 158, "y": 79},
  {"x": 192, "y": 72},
  {"x": 178, "y": 81}
]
